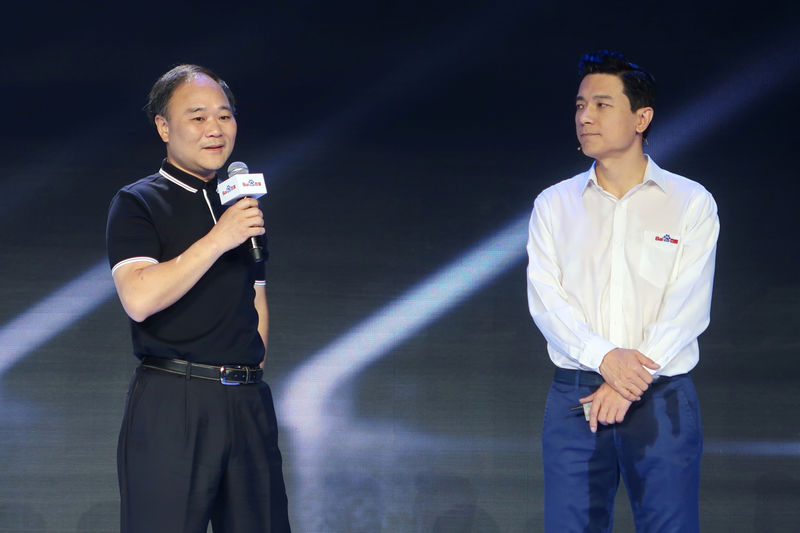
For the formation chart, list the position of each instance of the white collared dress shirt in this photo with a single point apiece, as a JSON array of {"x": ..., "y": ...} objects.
[{"x": 634, "y": 272}]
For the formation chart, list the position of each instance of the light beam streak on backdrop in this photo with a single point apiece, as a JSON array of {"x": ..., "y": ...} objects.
[
  {"x": 43, "y": 321},
  {"x": 309, "y": 387}
]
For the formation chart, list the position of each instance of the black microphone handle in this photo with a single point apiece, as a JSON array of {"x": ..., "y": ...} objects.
[{"x": 256, "y": 249}]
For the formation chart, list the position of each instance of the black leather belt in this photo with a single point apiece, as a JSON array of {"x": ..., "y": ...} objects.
[
  {"x": 583, "y": 378},
  {"x": 587, "y": 378},
  {"x": 225, "y": 374}
]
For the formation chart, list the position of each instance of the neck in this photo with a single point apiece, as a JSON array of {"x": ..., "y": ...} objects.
[
  {"x": 206, "y": 178},
  {"x": 618, "y": 175}
]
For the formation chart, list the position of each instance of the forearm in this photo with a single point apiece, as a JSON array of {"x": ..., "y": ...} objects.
[
  {"x": 562, "y": 324},
  {"x": 262, "y": 309},
  {"x": 685, "y": 313},
  {"x": 145, "y": 289}
]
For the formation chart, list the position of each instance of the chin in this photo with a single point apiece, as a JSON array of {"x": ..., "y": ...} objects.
[{"x": 215, "y": 163}]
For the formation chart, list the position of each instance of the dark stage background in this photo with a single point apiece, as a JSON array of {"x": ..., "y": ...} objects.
[{"x": 403, "y": 144}]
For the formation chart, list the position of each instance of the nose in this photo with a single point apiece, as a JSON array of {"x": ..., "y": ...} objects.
[
  {"x": 213, "y": 128},
  {"x": 584, "y": 116}
]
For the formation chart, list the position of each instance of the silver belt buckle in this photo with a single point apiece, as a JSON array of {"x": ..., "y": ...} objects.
[{"x": 225, "y": 381}]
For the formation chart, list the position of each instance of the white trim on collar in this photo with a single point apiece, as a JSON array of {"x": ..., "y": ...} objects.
[{"x": 176, "y": 181}]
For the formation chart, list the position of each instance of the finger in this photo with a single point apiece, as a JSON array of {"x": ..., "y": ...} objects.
[
  {"x": 255, "y": 220},
  {"x": 587, "y": 399},
  {"x": 593, "y": 417},
  {"x": 604, "y": 415},
  {"x": 251, "y": 217},
  {"x": 252, "y": 211},
  {"x": 247, "y": 202},
  {"x": 636, "y": 389},
  {"x": 644, "y": 375},
  {"x": 254, "y": 226},
  {"x": 631, "y": 394},
  {"x": 241, "y": 205},
  {"x": 640, "y": 379},
  {"x": 610, "y": 415},
  {"x": 601, "y": 413},
  {"x": 646, "y": 361},
  {"x": 638, "y": 385},
  {"x": 255, "y": 231},
  {"x": 623, "y": 390}
]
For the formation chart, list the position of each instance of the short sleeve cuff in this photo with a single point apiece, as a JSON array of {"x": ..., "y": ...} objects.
[{"x": 134, "y": 260}]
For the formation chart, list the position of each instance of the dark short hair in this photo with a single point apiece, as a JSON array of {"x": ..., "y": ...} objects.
[
  {"x": 637, "y": 84},
  {"x": 165, "y": 86}
]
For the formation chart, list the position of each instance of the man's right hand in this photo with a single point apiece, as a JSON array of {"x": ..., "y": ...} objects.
[
  {"x": 626, "y": 372},
  {"x": 238, "y": 223}
]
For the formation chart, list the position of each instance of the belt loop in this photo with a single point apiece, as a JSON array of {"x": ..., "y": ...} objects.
[
  {"x": 577, "y": 383},
  {"x": 188, "y": 370}
]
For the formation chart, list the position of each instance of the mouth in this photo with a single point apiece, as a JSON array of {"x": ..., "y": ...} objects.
[{"x": 214, "y": 148}]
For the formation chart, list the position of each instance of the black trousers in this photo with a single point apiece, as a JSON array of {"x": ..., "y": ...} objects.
[{"x": 194, "y": 451}]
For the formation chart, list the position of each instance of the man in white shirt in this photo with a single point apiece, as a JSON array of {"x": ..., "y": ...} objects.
[{"x": 620, "y": 274}]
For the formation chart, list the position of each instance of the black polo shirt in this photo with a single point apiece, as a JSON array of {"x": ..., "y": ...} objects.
[{"x": 156, "y": 219}]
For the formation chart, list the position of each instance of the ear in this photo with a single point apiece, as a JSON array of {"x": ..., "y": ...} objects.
[
  {"x": 162, "y": 127},
  {"x": 644, "y": 116}
]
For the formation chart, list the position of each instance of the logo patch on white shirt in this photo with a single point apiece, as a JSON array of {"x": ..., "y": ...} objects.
[{"x": 666, "y": 238}]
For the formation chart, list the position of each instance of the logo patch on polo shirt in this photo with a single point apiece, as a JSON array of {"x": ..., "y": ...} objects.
[{"x": 666, "y": 238}]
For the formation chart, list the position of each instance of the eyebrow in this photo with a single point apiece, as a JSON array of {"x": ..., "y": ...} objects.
[
  {"x": 596, "y": 97},
  {"x": 202, "y": 108}
]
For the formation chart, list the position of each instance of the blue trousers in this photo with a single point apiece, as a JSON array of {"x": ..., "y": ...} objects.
[
  {"x": 194, "y": 451},
  {"x": 656, "y": 450}
]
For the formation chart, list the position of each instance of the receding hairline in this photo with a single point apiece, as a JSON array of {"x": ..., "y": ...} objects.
[
  {"x": 162, "y": 90},
  {"x": 193, "y": 77}
]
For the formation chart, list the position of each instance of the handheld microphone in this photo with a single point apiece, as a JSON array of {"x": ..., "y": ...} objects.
[{"x": 241, "y": 184}]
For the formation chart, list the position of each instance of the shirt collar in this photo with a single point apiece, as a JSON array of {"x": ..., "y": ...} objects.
[
  {"x": 184, "y": 179},
  {"x": 652, "y": 173}
]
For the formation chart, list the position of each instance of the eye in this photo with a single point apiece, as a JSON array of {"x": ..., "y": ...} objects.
[
  {"x": 198, "y": 119},
  {"x": 578, "y": 107}
]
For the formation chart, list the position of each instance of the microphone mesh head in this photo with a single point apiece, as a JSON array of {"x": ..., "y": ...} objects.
[{"x": 237, "y": 167}]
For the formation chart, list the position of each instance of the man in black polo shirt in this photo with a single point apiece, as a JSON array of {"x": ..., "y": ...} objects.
[{"x": 199, "y": 439}]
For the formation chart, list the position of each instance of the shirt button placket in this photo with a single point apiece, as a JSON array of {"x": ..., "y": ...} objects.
[{"x": 616, "y": 320}]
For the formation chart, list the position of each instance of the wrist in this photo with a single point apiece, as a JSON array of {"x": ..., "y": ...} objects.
[
  {"x": 211, "y": 245},
  {"x": 594, "y": 352}
]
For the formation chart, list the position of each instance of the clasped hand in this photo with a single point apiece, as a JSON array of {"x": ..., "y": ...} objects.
[
  {"x": 626, "y": 379},
  {"x": 626, "y": 371},
  {"x": 608, "y": 407}
]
